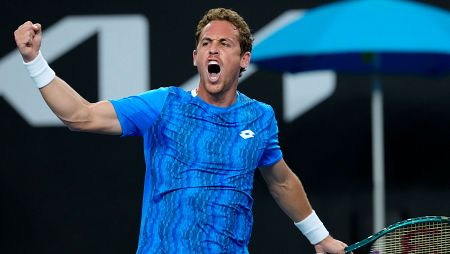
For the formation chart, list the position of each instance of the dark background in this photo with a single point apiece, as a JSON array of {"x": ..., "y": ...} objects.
[{"x": 66, "y": 192}]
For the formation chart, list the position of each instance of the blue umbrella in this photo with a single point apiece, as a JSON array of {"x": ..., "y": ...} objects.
[
  {"x": 406, "y": 37},
  {"x": 364, "y": 36}
]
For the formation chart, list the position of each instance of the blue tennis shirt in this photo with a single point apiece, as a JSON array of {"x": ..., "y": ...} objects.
[{"x": 200, "y": 162}]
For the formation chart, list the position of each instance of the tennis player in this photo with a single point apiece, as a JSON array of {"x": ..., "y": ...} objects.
[{"x": 201, "y": 146}]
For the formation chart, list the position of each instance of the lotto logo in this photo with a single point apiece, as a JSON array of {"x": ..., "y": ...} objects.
[{"x": 247, "y": 134}]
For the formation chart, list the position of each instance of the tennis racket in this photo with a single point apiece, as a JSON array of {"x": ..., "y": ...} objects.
[{"x": 421, "y": 235}]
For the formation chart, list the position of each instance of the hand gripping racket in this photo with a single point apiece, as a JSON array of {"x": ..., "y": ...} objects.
[{"x": 421, "y": 235}]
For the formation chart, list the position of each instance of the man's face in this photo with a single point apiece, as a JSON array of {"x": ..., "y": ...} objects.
[{"x": 218, "y": 57}]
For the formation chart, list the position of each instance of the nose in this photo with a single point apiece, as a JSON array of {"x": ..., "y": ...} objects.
[{"x": 213, "y": 50}]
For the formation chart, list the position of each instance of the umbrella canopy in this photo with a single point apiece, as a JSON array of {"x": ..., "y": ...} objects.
[{"x": 364, "y": 36}]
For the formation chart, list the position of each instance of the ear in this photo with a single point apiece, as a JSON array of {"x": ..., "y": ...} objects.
[
  {"x": 245, "y": 60},
  {"x": 194, "y": 57}
]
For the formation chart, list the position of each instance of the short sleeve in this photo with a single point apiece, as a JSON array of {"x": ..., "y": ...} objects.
[
  {"x": 272, "y": 153},
  {"x": 137, "y": 113}
]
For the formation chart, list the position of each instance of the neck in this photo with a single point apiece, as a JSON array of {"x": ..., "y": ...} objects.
[{"x": 222, "y": 99}]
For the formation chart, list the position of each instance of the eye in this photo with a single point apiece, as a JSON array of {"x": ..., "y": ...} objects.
[
  {"x": 225, "y": 43},
  {"x": 204, "y": 43}
]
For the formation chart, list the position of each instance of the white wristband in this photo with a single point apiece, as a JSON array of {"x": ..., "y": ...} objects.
[
  {"x": 312, "y": 228},
  {"x": 39, "y": 71}
]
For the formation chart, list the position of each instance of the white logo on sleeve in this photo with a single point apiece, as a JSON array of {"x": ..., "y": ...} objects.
[{"x": 247, "y": 134}]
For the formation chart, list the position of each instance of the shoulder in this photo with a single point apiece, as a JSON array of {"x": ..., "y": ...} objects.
[
  {"x": 256, "y": 105},
  {"x": 178, "y": 92},
  {"x": 163, "y": 93}
]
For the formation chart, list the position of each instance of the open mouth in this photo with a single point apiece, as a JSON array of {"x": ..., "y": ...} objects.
[{"x": 213, "y": 71}]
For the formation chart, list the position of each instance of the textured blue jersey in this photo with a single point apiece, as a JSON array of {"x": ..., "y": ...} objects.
[{"x": 200, "y": 162}]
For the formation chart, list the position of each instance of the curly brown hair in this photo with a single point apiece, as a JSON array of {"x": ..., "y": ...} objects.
[{"x": 245, "y": 36}]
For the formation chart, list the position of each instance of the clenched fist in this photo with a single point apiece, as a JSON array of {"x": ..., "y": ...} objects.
[{"x": 28, "y": 40}]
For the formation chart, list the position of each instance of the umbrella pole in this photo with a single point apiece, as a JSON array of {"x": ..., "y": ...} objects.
[{"x": 378, "y": 155}]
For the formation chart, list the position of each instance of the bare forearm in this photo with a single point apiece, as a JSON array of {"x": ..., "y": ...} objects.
[
  {"x": 65, "y": 102},
  {"x": 291, "y": 198},
  {"x": 77, "y": 113},
  {"x": 288, "y": 192}
]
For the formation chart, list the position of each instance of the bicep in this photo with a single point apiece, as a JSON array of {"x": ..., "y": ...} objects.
[
  {"x": 100, "y": 118},
  {"x": 276, "y": 173},
  {"x": 104, "y": 118}
]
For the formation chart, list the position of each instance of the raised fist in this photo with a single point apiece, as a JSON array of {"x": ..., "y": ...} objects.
[{"x": 28, "y": 38}]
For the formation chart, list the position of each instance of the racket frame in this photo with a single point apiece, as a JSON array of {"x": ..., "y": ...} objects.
[{"x": 371, "y": 239}]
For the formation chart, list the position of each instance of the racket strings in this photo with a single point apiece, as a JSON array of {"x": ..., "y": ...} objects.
[{"x": 422, "y": 238}]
